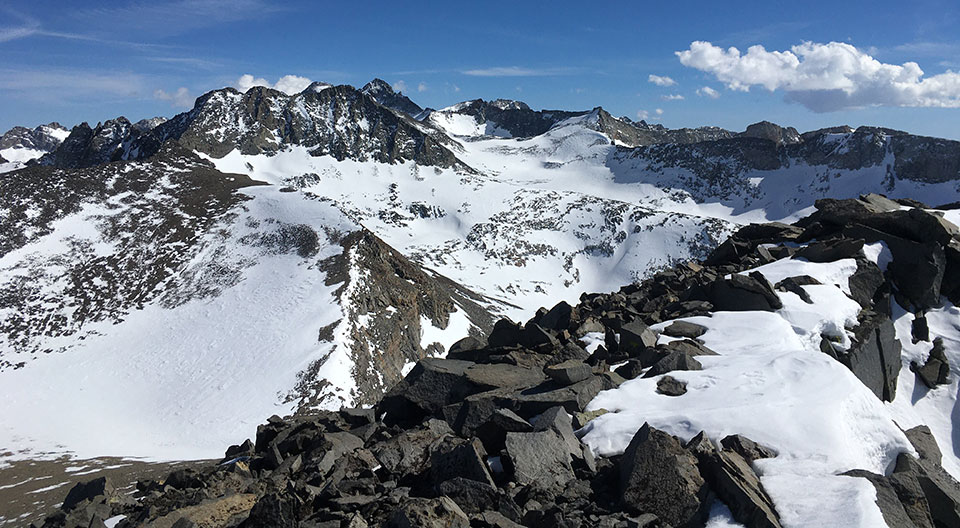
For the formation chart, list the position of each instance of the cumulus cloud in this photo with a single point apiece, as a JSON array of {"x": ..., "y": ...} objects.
[
  {"x": 825, "y": 77},
  {"x": 661, "y": 81},
  {"x": 399, "y": 86},
  {"x": 644, "y": 115},
  {"x": 672, "y": 97},
  {"x": 179, "y": 99},
  {"x": 288, "y": 84},
  {"x": 706, "y": 91},
  {"x": 422, "y": 87}
]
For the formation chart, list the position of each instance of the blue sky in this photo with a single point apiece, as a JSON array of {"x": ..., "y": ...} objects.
[{"x": 90, "y": 61}]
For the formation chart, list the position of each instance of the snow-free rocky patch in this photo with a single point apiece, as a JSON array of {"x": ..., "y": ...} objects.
[{"x": 777, "y": 427}]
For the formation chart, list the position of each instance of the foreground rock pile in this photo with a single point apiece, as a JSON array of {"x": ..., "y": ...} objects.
[{"x": 487, "y": 437}]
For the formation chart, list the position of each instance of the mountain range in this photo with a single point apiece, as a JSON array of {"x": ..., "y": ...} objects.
[{"x": 269, "y": 253}]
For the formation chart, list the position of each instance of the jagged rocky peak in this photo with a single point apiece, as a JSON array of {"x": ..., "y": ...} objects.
[
  {"x": 146, "y": 125},
  {"x": 384, "y": 94},
  {"x": 773, "y": 132},
  {"x": 87, "y": 147},
  {"x": 339, "y": 121},
  {"x": 20, "y": 146},
  {"x": 627, "y": 133},
  {"x": 501, "y": 117},
  {"x": 317, "y": 86}
]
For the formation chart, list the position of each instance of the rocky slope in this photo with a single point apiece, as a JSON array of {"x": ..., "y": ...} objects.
[
  {"x": 230, "y": 276},
  {"x": 605, "y": 413}
]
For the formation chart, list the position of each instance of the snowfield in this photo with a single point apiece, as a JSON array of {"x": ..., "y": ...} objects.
[{"x": 772, "y": 384}]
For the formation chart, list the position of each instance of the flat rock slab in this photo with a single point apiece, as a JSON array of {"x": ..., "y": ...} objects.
[{"x": 541, "y": 456}]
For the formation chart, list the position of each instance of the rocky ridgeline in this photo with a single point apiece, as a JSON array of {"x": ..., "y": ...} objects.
[
  {"x": 339, "y": 121},
  {"x": 488, "y": 436},
  {"x": 44, "y": 137}
]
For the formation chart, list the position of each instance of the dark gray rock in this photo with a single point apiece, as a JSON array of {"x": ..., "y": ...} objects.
[
  {"x": 431, "y": 384},
  {"x": 569, "y": 372},
  {"x": 558, "y": 318},
  {"x": 831, "y": 250},
  {"x": 919, "y": 328},
  {"x": 631, "y": 369},
  {"x": 742, "y": 292},
  {"x": 454, "y": 459},
  {"x": 768, "y": 232},
  {"x": 874, "y": 356},
  {"x": 747, "y": 448},
  {"x": 658, "y": 475},
  {"x": 573, "y": 398},
  {"x": 502, "y": 376},
  {"x": 795, "y": 285},
  {"x": 684, "y": 329},
  {"x": 557, "y": 420},
  {"x": 890, "y": 503},
  {"x": 465, "y": 348},
  {"x": 671, "y": 362},
  {"x": 541, "y": 457},
  {"x": 865, "y": 282},
  {"x": 941, "y": 491},
  {"x": 636, "y": 337},
  {"x": 918, "y": 274},
  {"x": 936, "y": 370},
  {"x": 90, "y": 490},
  {"x": 505, "y": 333},
  {"x": 735, "y": 482},
  {"x": 535, "y": 337},
  {"x": 686, "y": 346},
  {"x": 441, "y": 512},
  {"x": 925, "y": 444},
  {"x": 670, "y": 386}
]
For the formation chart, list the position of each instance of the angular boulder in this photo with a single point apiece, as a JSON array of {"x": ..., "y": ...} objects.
[
  {"x": 542, "y": 457},
  {"x": 874, "y": 356},
  {"x": 441, "y": 512},
  {"x": 658, "y": 475},
  {"x": 744, "y": 292}
]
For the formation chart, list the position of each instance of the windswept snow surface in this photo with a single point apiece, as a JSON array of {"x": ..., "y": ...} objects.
[{"x": 771, "y": 383}]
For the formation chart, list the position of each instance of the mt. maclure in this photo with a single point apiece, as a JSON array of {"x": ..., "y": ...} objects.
[{"x": 325, "y": 255}]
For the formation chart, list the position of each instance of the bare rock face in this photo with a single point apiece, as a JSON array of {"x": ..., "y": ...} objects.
[
  {"x": 874, "y": 356},
  {"x": 658, "y": 474}
]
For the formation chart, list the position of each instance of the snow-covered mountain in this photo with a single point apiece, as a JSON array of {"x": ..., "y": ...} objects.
[
  {"x": 20, "y": 144},
  {"x": 266, "y": 253}
]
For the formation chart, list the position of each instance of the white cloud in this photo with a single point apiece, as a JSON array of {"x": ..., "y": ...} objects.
[
  {"x": 672, "y": 97},
  {"x": 643, "y": 115},
  {"x": 659, "y": 111},
  {"x": 825, "y": 77},
  {"x": 456, "y": 88},
  {"x": 60, "y": 85},
  {"x": 399, "y": 86},
  {"x": 661, "y": 81},
  {"x": 422, "y": 87},
  {"x": 516, "y": 71},
  {"x": 288, "y": 84},
  {"x": 706, "y": 91},
  {"x": 179, "y": 99}
]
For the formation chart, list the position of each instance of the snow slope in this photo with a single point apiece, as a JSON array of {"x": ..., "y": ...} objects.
[{"x": 771, "y": 383}]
